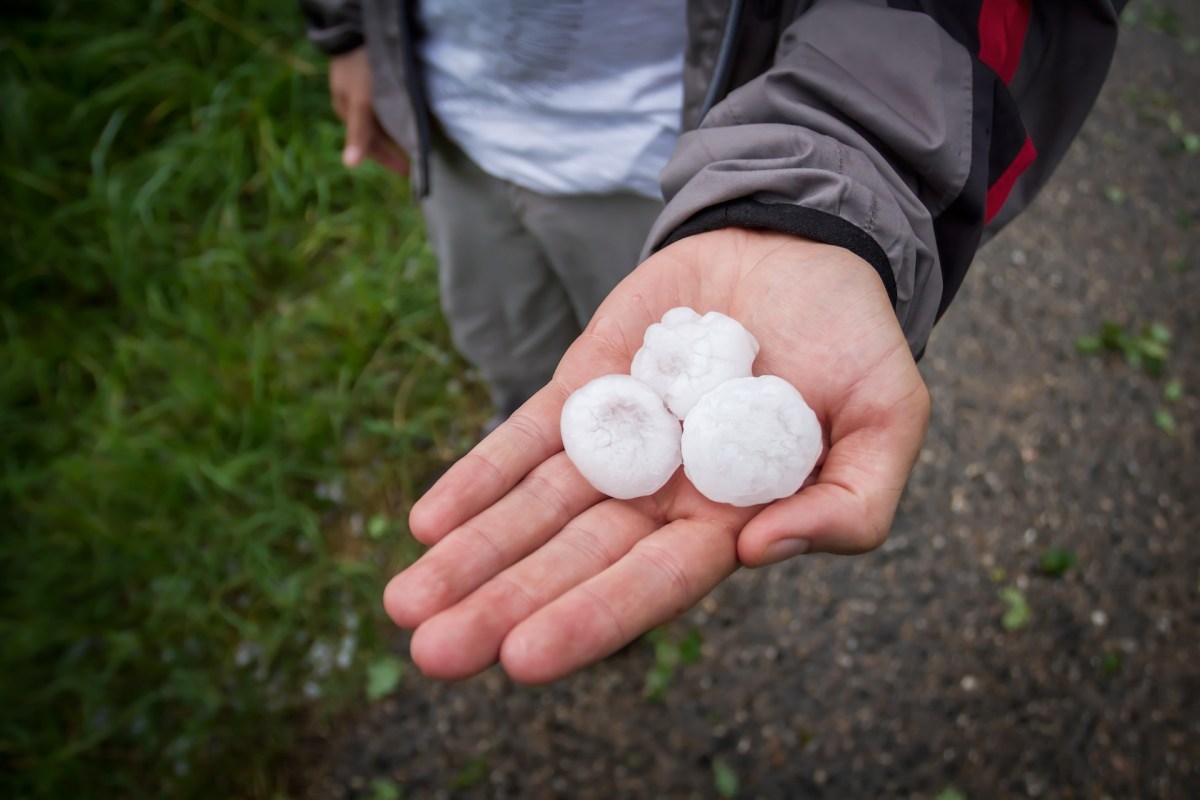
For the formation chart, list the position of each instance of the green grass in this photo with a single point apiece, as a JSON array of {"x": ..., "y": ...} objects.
[{"x": 221, "y": 353}]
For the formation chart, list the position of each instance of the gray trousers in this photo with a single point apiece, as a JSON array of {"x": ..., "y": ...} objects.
[{"x": 521, "y": 273}]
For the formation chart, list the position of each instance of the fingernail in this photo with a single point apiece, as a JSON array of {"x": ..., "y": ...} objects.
[
  {"x": 784, "y": 549},
  {"x": 351, "y": 155}
]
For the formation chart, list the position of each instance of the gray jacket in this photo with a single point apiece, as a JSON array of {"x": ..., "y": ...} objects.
[{"x": 907, "y": 131}]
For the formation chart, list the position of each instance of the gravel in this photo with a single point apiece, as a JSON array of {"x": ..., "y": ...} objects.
[{"x": 895, "y": 674}]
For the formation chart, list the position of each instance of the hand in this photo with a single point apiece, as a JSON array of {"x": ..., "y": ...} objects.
[
  {"x": 531, "y": 566},
  {"x": 350, "y": 89}
]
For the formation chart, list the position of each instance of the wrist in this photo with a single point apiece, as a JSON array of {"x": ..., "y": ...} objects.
[{"x": 797, "y": 222}]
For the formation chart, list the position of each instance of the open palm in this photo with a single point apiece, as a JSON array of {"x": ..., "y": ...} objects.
[{"x": 532, "y": 567}]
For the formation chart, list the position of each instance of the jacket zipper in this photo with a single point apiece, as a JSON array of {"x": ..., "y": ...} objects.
[
  {"x": 724, "y": 65},
  {"x": 416, "y": 93}
]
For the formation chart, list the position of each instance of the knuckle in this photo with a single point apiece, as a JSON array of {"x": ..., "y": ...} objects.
[
  {"x": 668, "y": 567},
  {"x": 537, "y": 486}
]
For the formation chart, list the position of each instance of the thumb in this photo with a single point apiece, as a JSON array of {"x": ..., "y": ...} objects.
[
  {"x": 849, "y": 510},
  {"x": 358, "y": 133}
]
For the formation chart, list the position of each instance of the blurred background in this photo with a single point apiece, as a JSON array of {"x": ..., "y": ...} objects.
[{"x": 224, "y": 378}]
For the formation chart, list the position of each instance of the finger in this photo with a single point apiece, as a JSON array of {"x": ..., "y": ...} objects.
[
  {"x": 338, "y": 101},
  {"x": 359, "y": 117},
  {"x": 493, "y": 467},
  {"x": 850, "y": 508},
  {"x": 386, "y": 151},
  {"x": 465, "y": 638},
  {"x": 389, "y": 156},
  {"x": 539, "y": 507},
  {"x": 526, "y": 439},
  {"x": 661, "y": 577}
]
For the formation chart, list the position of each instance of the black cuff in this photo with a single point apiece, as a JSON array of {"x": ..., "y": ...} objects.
[
  {"x": 337, "y": 40},
  {"x": 794, "y": 220}
]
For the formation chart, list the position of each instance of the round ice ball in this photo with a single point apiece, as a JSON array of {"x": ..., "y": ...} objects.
[
  {"x": 750, "y": 441},
  {"x": 620, "y": 436},
  {"x": 687, "y": 355}
]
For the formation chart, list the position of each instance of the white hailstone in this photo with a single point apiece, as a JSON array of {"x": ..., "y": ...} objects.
[
  {"x": 687, "y": 355},
  {"x": 750, "y": 441},
  {"x": 620, "y": 436}
]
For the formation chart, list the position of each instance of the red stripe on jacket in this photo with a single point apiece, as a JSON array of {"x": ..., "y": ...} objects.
[
  {"x": 1002, "y": 28},
  {"x": 997, "y": 193}
]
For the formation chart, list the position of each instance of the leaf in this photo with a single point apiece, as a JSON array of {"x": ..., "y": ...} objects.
[
  {"x": 473, "y": 774},
  {"x": 658, "y": 679},
  {"x": 377, "y": 528},
  {"x": 724, "y": 779},
  {"x": 689, "y": 648},
  {"x": 384, "y": 789},
  {"x": 1112, "y": 334},
  {"x": 1056, "y": 561},
  {"x": 1018, "y": 614},
  {"x": 383, "y": 676},
  {"x": 1111, "y": 663},
  {"x": 1160, "y": 333},
  {"x": 1173, "y": 391},
  {"x": 950, "y": 793},
  {"x": 1089, "y": 345},
  {"x": 1115, "y": 194},
  {"x": 666, "y": 654},
  {"x": 1165, "y": 420}
]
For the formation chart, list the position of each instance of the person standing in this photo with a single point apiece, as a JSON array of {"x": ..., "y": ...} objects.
[{"x": 546, "y": 126}]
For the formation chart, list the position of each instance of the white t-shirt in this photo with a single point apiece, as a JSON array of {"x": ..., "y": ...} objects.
[{"x": 559, "y": 96}]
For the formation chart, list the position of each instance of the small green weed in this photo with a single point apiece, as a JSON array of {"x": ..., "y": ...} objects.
[
  {"x": 1155, "y": 17},
  {"x": 1056, "y": 561},
  {"x": 1017, "y": 613},
  {"x": 1184, "y": 140},
  {"x": 950, "y": 793},
  {"x": 1148, "y": 349},
  {"x": 725, "y": 780},
  {"x": 384, "y": 789},
  {"x": 383, "y": 676},
  {"x": 473, "y": 774},
  {"x": 669, "y": 656}
]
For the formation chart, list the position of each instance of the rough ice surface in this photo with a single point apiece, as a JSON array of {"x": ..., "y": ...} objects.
[
  {"x": 620, "y": 436},
  {"x": 750, "y": 441},
  {"x": 687, "y": 355}
]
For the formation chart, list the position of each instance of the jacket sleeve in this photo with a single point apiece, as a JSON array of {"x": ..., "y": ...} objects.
[
  {"x": 897, "y": 130},
  {"x": 334, "y": 26}
]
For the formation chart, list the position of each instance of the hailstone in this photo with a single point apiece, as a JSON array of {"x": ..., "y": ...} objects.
[
  {"x": 750, "y": 441},
  {"x": 687, "y": 355},
  {"x": 620, "y": 436}
]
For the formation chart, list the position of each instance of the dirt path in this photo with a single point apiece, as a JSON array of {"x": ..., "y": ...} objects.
[{"x": 894, "y": 674}]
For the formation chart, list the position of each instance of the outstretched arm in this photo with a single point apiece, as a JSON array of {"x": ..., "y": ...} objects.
[
  {"x": 892, "y": 133},
  {"x": 531, "y": 567}
]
